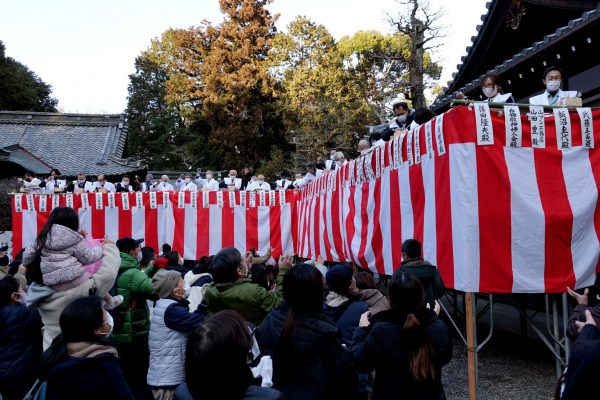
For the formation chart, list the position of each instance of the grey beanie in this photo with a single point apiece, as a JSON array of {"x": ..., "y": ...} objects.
[{"x": 164, "y": 282}]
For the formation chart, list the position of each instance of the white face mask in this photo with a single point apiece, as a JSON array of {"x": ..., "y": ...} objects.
[
  {"x": 125, "y": 183},
  {"x": 139, "y": 256},
  {"x": 80, "y": 180},
  {"x": 490, "y": 92},
  {"x": 186, "y": 287},
  {"x": 332, "y": 156},
  {"x": 111, "y": 324},
  {"x": 188, "y": 180},
  {"x": 208, "y": 176},
  {"x": 553, "y": 86},
  {"x": 260, "y": 182}
]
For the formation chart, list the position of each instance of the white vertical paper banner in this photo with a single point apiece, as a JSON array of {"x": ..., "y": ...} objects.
[
  {"x": 409, "y": 145},
  {"x": 111, "y": 201},
  {"x": 483, "y": 120},
  {"x": 220, "y": 199},
  {"x": 153, "y": 200},
  {"x": 205, "y": 199},
  {"x": 85, "y": 201},
  {"x": 55, "y": 201},
  {"x": 70, "y": 200},
  {"x": 30, "y": 203},
  {"x": 194, "y": 199},
  {"x": 139, "y": 199},
  {"x": 99, "y": 201},
  {"x": 429, "y": 140},
  {"x": 272, "y": 198},
  {"x": 439, "y": 135},
  {"x": 43, "y": 203},
  {"x": 252, "y": 199},
  {"x": 390, "y": 152},
  {"x": 165, "y": 199},
  {"x": 359, "y": 170},
  {"x": 181, "y": 199},
  {"x": 562, "y": 120},
  {"x": 398, "y": 151},
  {"x": 417, "y": 140},
  {"x": 243, "y": 199},
  {"x": 378, "y": 153},
  {"x": 351, "y": 172},
  {"x": 587, "y": 126},
  {"x": 19, "y": 203},
  {"x": 538, "y": 127},
  {"x": 512, "y": 123},
  {"x": 125, "y": 200},
  {"x": 261, "y": 198},
  {"x": 282, "y": 198},
  {"x": 369, "y": 173},
  {"x": 231, "y": 199}
]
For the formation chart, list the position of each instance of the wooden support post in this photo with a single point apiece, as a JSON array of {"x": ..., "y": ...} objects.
[{"x": 471, "y": 324}]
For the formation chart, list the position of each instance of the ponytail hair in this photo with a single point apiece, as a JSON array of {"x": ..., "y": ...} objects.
[
  {"x": 407, "y": 297},
  {"x": 418, "y": 349}
]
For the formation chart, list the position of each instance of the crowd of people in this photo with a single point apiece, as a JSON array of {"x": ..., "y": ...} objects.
[{"x": 116, "y": 320}]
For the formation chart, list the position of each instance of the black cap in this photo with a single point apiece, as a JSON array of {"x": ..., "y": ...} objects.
[{"x": 127, "y": 244}]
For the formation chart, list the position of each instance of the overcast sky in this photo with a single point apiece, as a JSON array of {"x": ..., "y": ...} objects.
[{"x": 86, "y": 49}]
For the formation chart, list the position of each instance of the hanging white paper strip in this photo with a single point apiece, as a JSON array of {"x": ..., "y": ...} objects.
[
  {"x": 70, "y": 200},
  {"x": 262, "y": 198},
  {"x": 205, "y": 199},
  {"x": 538, "y": 127},
  {"x": 139, "y": 199},
  {"x": 231, "y": 199},
  {"x": 512, "y": 122},
  {"x": 562, "y": 120},
  {"x": 417, "y": 140},
  {"x": 180, "y": 199},
  {"x": 43, "y": 203},
  {"x": 429, "y": 140},
  {"x": 125, "y": 200},
  {"x": 243, "y": 199},
  {"x": 30, "y": 203},
  {"x": 439, "y": 135},
  {"x": 85, "y": 202},
  {"x": 483, "y": 120},
  {"x": 111, "y": 201},
  {"x": 19, "y": 203},
  {"x": 587, "y": 126},
  {"x": 55, "y": 201},
  {"x": 282, "y": 198},
  {"x": 272, "y": 198},
  {"x": 252, "y": 199},
  {"x": 166, "y": 200},
  {"x": 99, "y": 201},
  {"x": 153, "y": 200},
  {"x": 220, "y": 199},
  {"x": 194, "y": 199},
  {"x": 409, "y": 150}
]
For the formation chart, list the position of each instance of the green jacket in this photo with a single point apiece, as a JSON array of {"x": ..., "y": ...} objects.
[
  {"x": 132, "y": 323},
  {"x": 252, "y": 301},
  {"x": 429, "y": 276}
]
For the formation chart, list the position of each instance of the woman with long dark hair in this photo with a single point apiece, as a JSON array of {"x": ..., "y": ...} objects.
[
  {"x": 81, "y": 363},
  {"x": 217, "y": 363},
  {"x": 309, "y": 361},
  {"x": 406, "y": 346}
]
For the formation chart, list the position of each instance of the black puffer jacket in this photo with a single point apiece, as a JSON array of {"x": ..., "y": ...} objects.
[
  {"x": 379, "y": 348},
  {"x": 584, "y": 365},
  {"x": 316, "y": 367}
]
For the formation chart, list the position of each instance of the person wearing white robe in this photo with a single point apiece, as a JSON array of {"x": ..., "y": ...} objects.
[
  {"x": 232, "y": 181},
  {"x": 189, "y": 186},
  {"x": 553, "y": 95},
  {"x": 210, "y": 183}
]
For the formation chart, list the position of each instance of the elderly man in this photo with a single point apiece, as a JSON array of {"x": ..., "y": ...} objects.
[
  {"x": 81, "y": 185},
  {"x": 163, "y": 185},
  {"x": 340, "y": 159},
  {"x": 148, "y": 184},
  {"x": 210, "y": 183},
  {"x": 124, "y": 185},
  {"x": 260, "y": 184},
  {"x": 102, "y": 186},
  {"x": 232, "y": 181},
  {"x": 330, "y": 164},
  {"x": 363, "y": 146}
]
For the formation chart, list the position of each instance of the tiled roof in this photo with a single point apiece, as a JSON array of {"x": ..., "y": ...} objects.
[
  {"x": 73, "y": 143},
  {"x": 548, "y": 40}
]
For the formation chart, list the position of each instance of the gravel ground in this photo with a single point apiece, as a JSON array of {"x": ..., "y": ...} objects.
[{"x": 509, "y": 368}]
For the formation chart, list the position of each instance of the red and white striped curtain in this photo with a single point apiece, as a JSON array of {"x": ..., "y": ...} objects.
[
  {"x": 499, "y": 204},
  {"x": 493, "y": 217},
  {"x": 195, "y": 223}
]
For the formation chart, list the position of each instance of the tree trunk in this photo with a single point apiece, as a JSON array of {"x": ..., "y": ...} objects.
[{"x": 416, "y": 63}]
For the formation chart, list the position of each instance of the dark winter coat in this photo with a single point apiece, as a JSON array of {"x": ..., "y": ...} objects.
[
  {"x": 346, "y": 317},
  {"x": 578, "y": 314},
  {"x": 581, "y": 380},
  {"x": 429, "y": 276},
  {"x": 179, "y": 268},
  {"x": 316, "y": 365},
  {"x": 20, "y": 347},
  {"x": 88, "y": 378},
  {"x": 379, "y": 348}
]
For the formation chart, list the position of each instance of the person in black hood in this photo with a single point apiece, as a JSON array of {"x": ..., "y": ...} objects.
[
  {"x": 309, "y": 361},
  {"x": 406, "y": 346}
]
